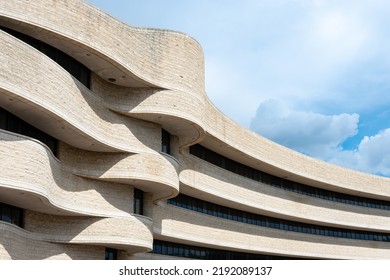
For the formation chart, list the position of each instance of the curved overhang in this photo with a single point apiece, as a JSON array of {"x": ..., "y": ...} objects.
[
  {"x": 32, "y": 178},
  {"x": 37, "y": 89},
  {"x": 132, "y": 234},
  {"x": 181, "y": 113},
  {"x": 153, "y": 173},
  {"x": 132, "y": 56}
]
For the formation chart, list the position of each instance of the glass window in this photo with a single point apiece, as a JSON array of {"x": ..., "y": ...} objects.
[
  {"x": 11, "y": 214},
  {"x": 138, "y": 202},
  {"x": 111, "y": 254},
  {"x": 165, "y": 142},
  {"x": 196, "y": 252}
]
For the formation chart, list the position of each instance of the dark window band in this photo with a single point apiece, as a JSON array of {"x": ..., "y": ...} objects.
[
  {"x": 11, "y": 214},
  {"x": 10, "y": 122},
  {"x": 202, "y": 253},
  {"x": 259, "y": 176},
  {"x": 75, "y": 68},
  {"x": 223, "y": 212}
]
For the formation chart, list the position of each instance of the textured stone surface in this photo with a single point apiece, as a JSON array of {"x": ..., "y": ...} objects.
[
  {"x": 18, "y": 244},
  {"x": 163, "y": 58}
]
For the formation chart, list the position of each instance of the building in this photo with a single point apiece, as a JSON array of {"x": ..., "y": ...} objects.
[{"x": 110, "y": 149}]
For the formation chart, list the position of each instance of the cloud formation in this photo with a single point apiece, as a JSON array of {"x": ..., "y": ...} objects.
[
  {"x": 321, "y": 136},
  {"x": 310, "y": 133},
  {"x": 372, "y": 155}
]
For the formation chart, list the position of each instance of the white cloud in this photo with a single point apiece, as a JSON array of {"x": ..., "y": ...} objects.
[
  {"x": 321, "y": 136},
  {"x": 372, "y": 155},
  {"x": 311, "y": 133}
]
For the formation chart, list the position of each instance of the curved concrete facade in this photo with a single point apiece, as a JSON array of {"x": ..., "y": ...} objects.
[{"x": 111, "y": 178}]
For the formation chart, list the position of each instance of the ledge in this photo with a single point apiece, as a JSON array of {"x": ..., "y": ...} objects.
[
  {"x": 203, "y": 230},
  {"x": 205, "y": 181}
]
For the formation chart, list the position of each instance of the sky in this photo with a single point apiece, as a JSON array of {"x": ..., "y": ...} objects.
[{"x": 312, "y": 75}]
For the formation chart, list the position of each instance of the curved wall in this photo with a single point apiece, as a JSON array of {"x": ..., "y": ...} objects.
[
  {"x": 132, "y": 234},
  {"x": 179, "y": 112},
  {"x": 153, "y": 173},
  {"x": 30, "y": 169},
  {"x": 63, "y": 107},
  {"x": 159, "y": 57}
]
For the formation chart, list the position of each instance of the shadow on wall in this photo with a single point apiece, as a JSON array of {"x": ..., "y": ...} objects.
[
  {"x": 37, "y": 163},
  {"x": 179, "y": 112},
  {"x": 17, "y": 244}
]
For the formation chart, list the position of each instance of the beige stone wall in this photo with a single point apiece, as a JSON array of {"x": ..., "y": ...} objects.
[
  {"x": 160, "y": 57},
  {"x": 29, "y": 168},
  {"x": 153, "y": 173},
  {"x": 181, "y": 113},
  {"x": 63, "y": 107}
]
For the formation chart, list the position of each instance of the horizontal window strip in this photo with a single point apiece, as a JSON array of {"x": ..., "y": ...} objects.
[
  {"x": 203, "y": 253},
  {"x": 71, "y": 65},
  {"x": 224, "y": 212},
  {"x": 281, "y": 183}
]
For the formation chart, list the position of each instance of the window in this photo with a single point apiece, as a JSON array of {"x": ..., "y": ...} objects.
[
  {"x": 111, "y": 254},
  {"x": 11, "y": 214},
  {"x": 138, "y": 202},
  {"x": 165, "y": 142},
  {"x": 195, "y": 252}
]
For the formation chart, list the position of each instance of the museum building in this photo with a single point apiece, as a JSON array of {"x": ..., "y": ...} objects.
[{"x": 111, "y": 149}]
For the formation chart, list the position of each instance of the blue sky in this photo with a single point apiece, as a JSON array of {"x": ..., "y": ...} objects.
[{"x": 313, "y": 75}]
